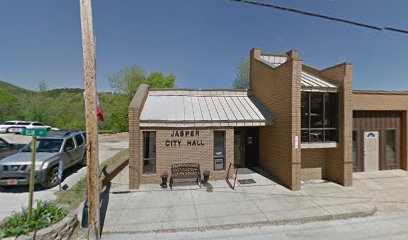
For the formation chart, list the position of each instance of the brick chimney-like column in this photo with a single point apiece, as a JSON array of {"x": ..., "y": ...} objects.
[{"x": 292, "y": 54}]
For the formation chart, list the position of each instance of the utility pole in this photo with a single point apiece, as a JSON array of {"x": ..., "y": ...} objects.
[
  {"x": 88, "y": 45},
  {"x": 32, "y": 166}
]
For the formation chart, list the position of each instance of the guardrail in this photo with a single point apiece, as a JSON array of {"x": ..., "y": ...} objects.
[{"x": 110, "y": 171}]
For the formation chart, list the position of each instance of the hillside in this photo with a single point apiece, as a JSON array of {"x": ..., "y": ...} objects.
[{"x": 61, "y": 108}]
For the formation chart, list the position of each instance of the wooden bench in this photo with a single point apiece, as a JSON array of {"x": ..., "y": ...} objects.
[{"x": 185, "y": 170}]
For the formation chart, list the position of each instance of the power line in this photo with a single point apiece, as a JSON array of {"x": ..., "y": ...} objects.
[
  {"x": 311, "y": 14},
  {"x": 396, "y": 30}
]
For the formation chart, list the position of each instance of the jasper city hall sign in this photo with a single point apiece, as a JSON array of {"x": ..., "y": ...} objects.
[{"x": 184, "y": 138}]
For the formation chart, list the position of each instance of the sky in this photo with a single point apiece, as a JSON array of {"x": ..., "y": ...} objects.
[{"x": 199, "y": 41}]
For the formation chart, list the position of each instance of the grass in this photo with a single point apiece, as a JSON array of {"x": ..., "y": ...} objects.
[
  {"x": 120, "y": 155},
  {"x": 76, "y": 195},
  {"x": 44, "y": 215}
]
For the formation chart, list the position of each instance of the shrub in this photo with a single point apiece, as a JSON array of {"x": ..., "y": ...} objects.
[{"x": 44, "y": 215}]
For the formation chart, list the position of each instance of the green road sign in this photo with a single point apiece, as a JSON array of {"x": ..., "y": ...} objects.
[{"x": 34, "y": 132}]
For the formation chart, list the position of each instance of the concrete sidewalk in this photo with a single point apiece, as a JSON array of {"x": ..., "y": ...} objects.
[{"x": 215, "y": 205}]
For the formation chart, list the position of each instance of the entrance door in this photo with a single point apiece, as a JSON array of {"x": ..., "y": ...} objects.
[
  {"x": 251, "y": 147},
  {"x": 246, "y": 144},
  {"x": 371, "y": 150},
  {"x": 239, "y": 149}
]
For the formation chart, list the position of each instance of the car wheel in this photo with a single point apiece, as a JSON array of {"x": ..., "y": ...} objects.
[
  {"x": 52, "y": 179},
  {"x": 7, "y": 130}
]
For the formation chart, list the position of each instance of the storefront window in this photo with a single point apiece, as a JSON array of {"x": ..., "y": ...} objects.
[
  {"x": 219, "y": 150},
  {"x": 319, "y": 117},
  {"x": 305, "y": 110},
  {"x": 149, "y": 152},
  {"x": 330, "y": 107},
  {"x": 316, "y": 110}
]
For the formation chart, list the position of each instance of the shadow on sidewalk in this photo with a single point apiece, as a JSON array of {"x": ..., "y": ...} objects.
[{"x": 104, "y": 198}]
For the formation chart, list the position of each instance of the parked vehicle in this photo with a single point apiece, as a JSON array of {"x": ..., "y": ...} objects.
[
  {"x": 4, "y": 127},
  {"x": 69, "y": 147},
  {"x": 31, "y": 125},
  {"x": 7, "y": 149}
]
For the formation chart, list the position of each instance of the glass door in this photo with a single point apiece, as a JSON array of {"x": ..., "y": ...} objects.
[{"x": 237, "y": 148}]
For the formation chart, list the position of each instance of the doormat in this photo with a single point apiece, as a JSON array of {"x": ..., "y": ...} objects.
[{"x": 246, "y": 181}]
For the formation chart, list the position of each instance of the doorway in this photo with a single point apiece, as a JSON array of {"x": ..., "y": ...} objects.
[
  {"x": 246, "y": 147},
  {"x": 371, "y": 150},
  {"x": 377, "y": 140}
]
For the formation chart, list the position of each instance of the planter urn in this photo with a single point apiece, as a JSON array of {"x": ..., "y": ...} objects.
[
  {"x": 164, "y": 177},
  {"x": 206, "y": 175}
]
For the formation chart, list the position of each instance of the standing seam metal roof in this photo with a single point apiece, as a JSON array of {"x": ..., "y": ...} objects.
[
  {"x": 191, "y": 108},
  {"x": 308, "y": 81}
]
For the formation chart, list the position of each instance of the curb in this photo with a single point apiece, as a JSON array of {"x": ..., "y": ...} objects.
[{"x": 340, "y": 216}]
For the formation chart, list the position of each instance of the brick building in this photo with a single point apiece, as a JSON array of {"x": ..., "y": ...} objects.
[{"x": 296, "y": 122}]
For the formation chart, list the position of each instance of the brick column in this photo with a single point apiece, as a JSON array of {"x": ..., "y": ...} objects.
[
  {"x": 340, "y": 161},
  {"x": 135, "y": 109},
  {"x": 278, "y": 90}
]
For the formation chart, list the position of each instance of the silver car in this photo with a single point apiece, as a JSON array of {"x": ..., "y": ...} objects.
[{"x": 66, "y": 146}]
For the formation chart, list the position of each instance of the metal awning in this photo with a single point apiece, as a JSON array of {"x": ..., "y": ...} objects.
[
  {"x": 311, "y": 82},
  {"x": 308, "y": 81},
  {"x": 202, "y": 108}
]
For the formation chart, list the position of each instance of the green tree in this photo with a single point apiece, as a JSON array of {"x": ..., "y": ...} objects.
[
  {"x": 127, "y": 80},
  {"x": 42, "y": 86},
  {"x": 157, "y": 79},
  {"x": 124, "y": 84},
  {"x": 9, "y": 106},
  {"x": 242, "y": 79}
]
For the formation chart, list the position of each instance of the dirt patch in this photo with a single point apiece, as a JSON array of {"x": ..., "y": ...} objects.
[{"x": 114, "y": 137}]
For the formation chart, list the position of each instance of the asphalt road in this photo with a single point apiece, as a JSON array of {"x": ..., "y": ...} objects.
[
  {"x": 379, "y": 226},
  {"x": 15, "y": 198}
]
